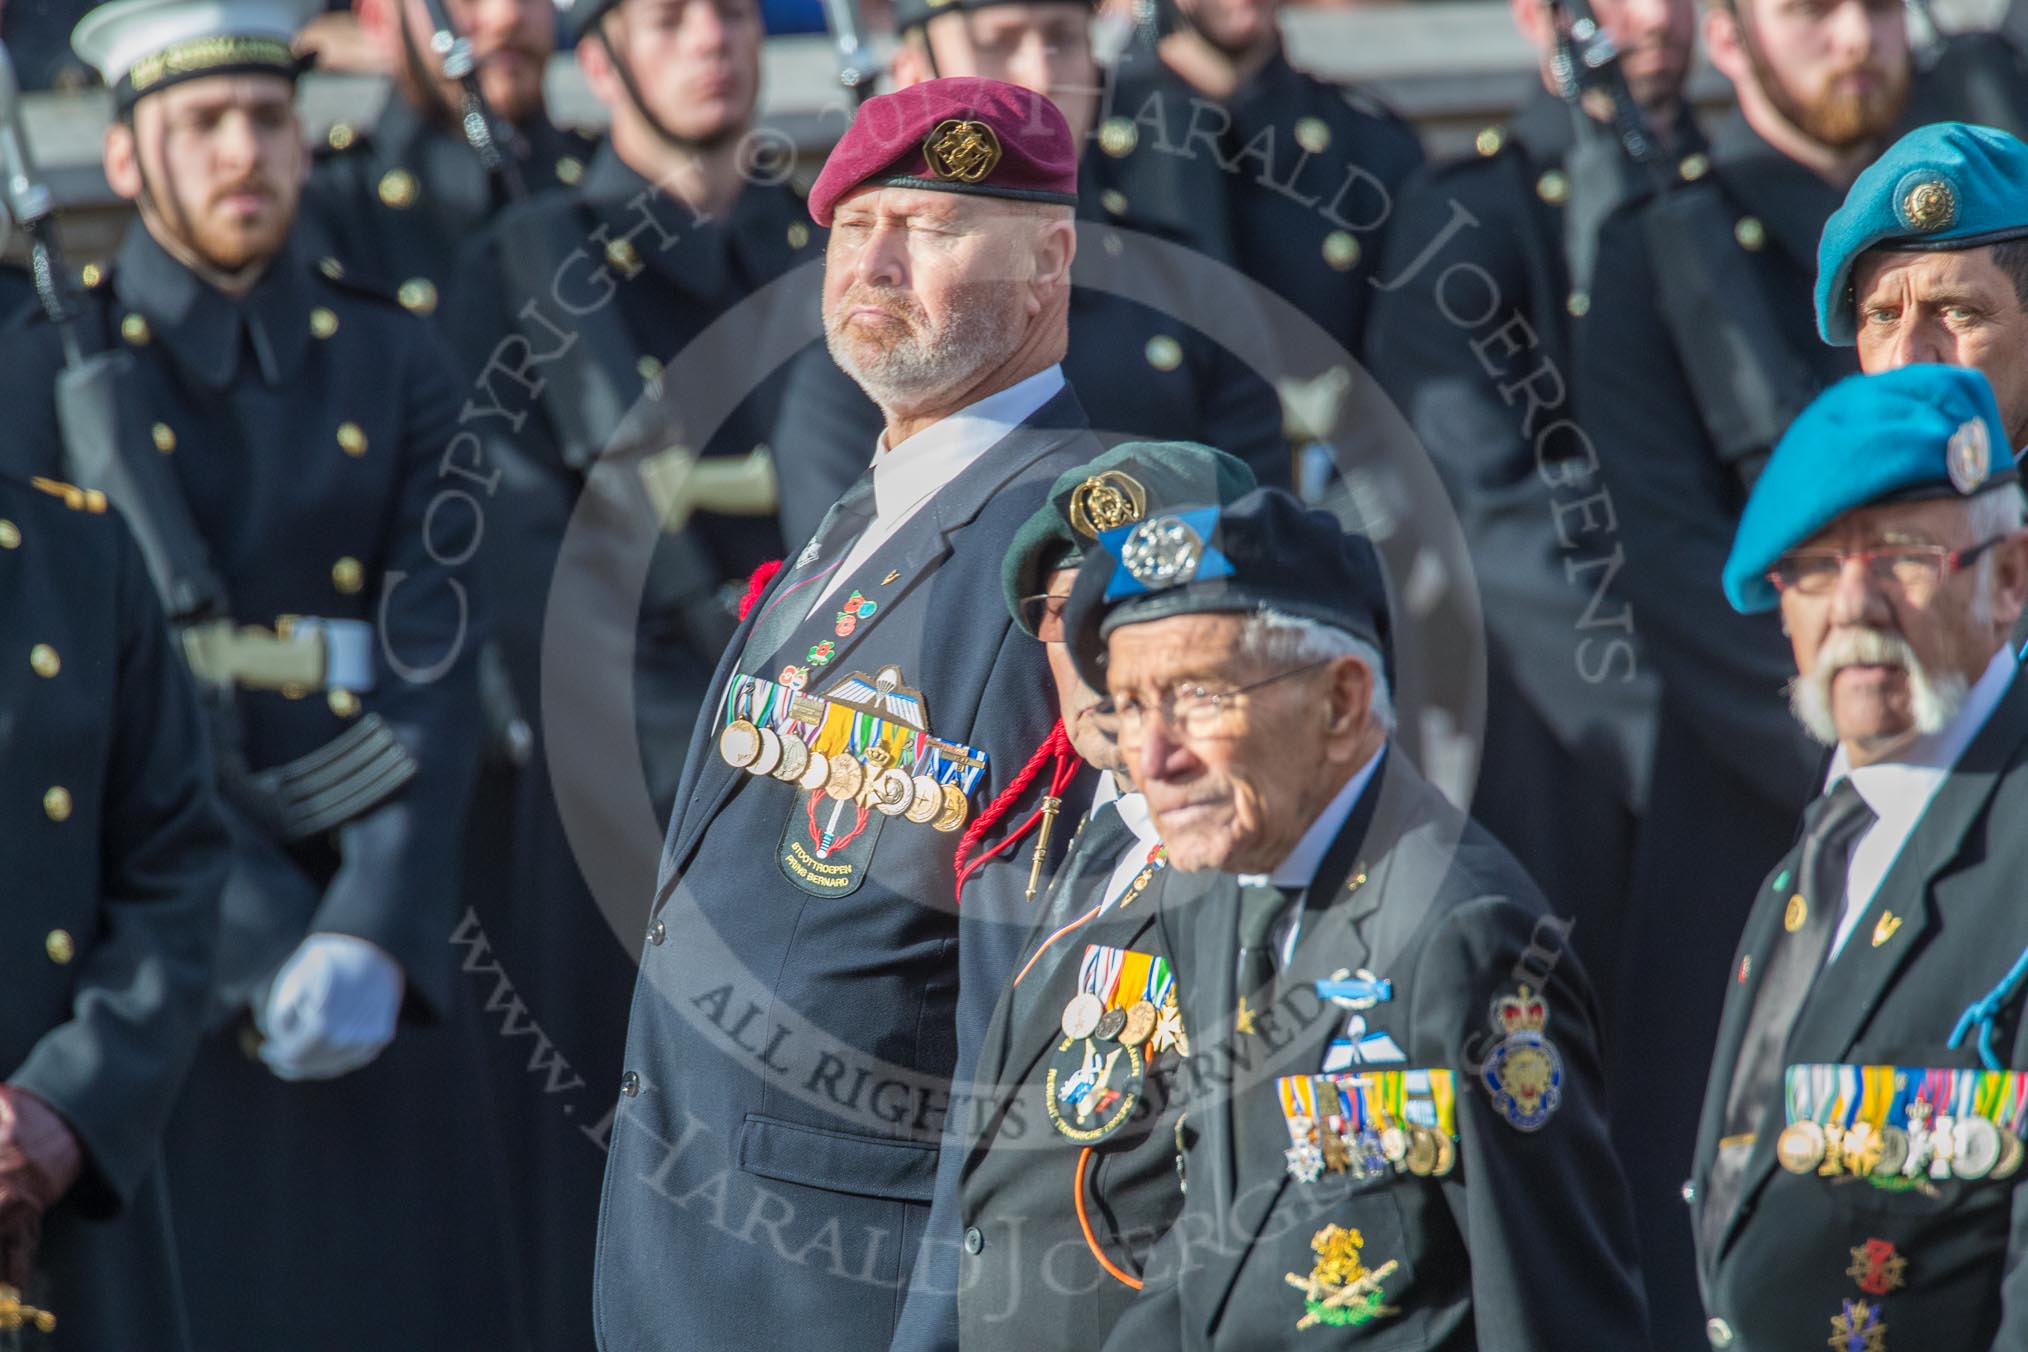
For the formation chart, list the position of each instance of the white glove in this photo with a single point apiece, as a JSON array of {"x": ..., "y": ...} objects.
[{"x": 330, "y": 1009}]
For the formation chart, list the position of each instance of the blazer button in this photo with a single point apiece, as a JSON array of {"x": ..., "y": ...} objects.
[
  {"x": 630, "y": 1084},
  {"x": 60, "y": 947},
  {"x": 1719, "y": 1332},
  {"x": 657, "y": 932},
  {"x": 1689, "y": 1192},
  {"x": 974, "y": 1241}
]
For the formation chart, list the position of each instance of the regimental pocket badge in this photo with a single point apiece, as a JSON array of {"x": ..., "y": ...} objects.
[
  {"x": 1340, "y": 1290},
  {"x": 1524, "y": 1073},
  {"x": 1091, "y": 1087}
]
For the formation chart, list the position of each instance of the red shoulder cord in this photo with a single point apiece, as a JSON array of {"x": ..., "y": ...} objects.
[
  {"x": 757, "y": 586},
  {"x": 1055, "y": 747}
]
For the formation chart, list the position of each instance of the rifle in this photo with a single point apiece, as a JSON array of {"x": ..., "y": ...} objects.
[
  {"x": 453, "y": 51},
  {"x": 30, "y": 204},
  {"x": 856, "y": 68}
]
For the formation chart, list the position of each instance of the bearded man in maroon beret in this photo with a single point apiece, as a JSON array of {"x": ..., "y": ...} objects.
[{"x": 811, "y": 998}]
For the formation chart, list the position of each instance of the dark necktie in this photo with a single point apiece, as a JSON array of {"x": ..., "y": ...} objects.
[
  {"x": 1261, "y": 906},
  {"x": 836, "y": 534},
  {"x": 1831, "y": 826}
]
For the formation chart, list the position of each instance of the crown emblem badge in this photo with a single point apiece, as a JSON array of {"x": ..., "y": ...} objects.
[{"x": 1524, "y": 1073}]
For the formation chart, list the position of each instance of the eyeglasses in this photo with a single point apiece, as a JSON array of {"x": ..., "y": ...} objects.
[
  {"x": 1043, "y": 616},
  {"x": 1194, "y": 710},
  {"x": 1814, "y": 572}
]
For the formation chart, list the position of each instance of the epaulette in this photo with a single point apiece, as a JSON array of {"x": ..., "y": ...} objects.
[{"x": 77, "y": 499}]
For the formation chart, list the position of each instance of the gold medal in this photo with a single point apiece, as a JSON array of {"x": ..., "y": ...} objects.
[
  {"x": 1140, "y": 1025},
  {"x": 1800, "y": 1147},
  {"x": 816, "y": 774},
  {"x": 1337, "y": 1154},
  {"x": 928, "y": 803},
  {"x": 847, "y": 777},
  {"x": 893, "y": 792},
  {"x": 795, "y": 760},
  {"x": 2011, "y": 1154},
  {"x": 1081, "y": 1016},
  {"x": 955, "y": 809},
  {"x": 770, "y": 754},
  {"x": 739, "y": 743},
  {"x": 1447, "y": 1155},
  {"x": 1422, "y": 1152},
  {"x": 1977, "y": 1147}
]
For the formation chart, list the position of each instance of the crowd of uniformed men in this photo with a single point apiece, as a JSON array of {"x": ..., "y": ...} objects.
[{"x": 576, "y": 779}]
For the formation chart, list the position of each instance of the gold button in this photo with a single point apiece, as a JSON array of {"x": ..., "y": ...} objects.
[
  {"x": 323, "y": 321},
  {"x": 43, "y": 660},
  {"x": 1489, "y": 140},
  {"x": 1694, "y": 167},
  {"x": 1118, "y": 137},
  {"x": 348, "y": 576},
  {"x": 799, "y": 234},
  {"x": 165, "y": 437},
  {"x": 1313, "y": 134},
  {"x": 1164, "y": 353},
  {"x": 1114, "y": 201},
  {"x": 569, "y": 169},
  {"x": 135, "y": 330},
  {"x": 418, "y": 296},
  {"x": 341, "y": 136},
  {"x": 622, "y": 255},
  {"x": 294, "y": 690},
  {"x": 351, "y": 440},
  {"x": 343, "y": 703},
  {"x": 1750, "y": 233},
  {"x": 60, "y": 946},
  {"x": 1578, "y": 304},
  {"x": 1553, "y": 187},
  {"x": 1341, "y": 251},
  {"x": 398, "y": 189},
  {"x": 91, "y": 274},
  {"x": 650, "y": 369},
  {"x": 57, "y": 803},
  {"x": 331, "y": 268},
  {"x": 10, "y": 534}
]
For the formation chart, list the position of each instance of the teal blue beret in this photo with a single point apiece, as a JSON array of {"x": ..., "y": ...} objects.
[
  {"x": 1945, "y": 186},
  {"x": 1900, "y": 436},
  {"x": 1116, "y": 489}
]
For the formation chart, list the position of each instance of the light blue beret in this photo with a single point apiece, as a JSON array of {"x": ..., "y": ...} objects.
[
  {"x": 1945, "y": 186},
  {"x": 1900, "y": 436}
]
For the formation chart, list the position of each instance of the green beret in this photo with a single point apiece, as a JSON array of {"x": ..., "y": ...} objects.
[
  {"x": 1116, "y": 489},
  {"x": 1906, "y": 435},
  {"x": 1946, "y": 186}
]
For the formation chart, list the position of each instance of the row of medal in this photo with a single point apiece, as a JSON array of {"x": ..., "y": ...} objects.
[
  {"x": 776, "y": 730},
  {"x": 1370, "y": 1123},
  {"x": 1890, "y": 1124},
  {"x": 1126, "y": 997}
]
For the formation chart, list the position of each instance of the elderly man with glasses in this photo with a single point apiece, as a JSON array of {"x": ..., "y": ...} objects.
[
  {"x": 1861, "y": 1133},
  {"x": 1395, "y": 1109}
]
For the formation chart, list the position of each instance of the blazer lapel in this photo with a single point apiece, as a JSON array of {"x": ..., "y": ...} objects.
[{"x": 1849, "y": 989}]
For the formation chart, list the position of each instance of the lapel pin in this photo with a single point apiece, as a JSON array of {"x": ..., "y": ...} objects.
[
  {"x": 890, "y": 577},
  {"x": 1884, "y": 930}
]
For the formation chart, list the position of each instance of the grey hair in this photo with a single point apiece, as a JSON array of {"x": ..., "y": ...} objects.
[
  {"x": 1992, "y": 515},
  {"x": 1277, "y": 638}
]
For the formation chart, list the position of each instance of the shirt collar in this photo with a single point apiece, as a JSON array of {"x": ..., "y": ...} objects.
[
  {"x": 1301, "y": 864},
  {"x": 906, "y": 474},
  {"x": 1902, "y": 786},
  {"x": 203, "y": 326}
]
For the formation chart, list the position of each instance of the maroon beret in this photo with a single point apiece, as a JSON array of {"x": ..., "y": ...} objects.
[{"x": 956, "y": 135}]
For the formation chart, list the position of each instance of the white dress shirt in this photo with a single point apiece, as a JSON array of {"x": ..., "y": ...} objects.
[
  {"x": 1899, "y": 790},
  {"x": 1133, "y": 810},
  {"x": 907, "y": 476},
  {"x": 1300, "y": 866}
]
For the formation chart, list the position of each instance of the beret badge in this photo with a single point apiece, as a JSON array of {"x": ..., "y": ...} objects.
[
  {"x": 1969, "y": 456},
  {"x": 962, "y": 149},
  {"x": 1106, "y": 501},
  {"x": 1927, "y": 202},
  {"x": 1163, "y": 552}
]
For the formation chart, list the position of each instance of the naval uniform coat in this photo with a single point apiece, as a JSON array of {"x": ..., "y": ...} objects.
[
  {"x": 248, "y": 401},
  {"x": 1527, "y": 1244},
  {"x": 775, "y": 1150},
  {"x": 634, "y": 277},
  {"x": 397, "y": 201},
  {"x": 1890, "y": 996},
  {"x": 1030, "y": 1280},
  {"x": 114, "y": 854},
  {"x": 1143, "y": 374}
]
